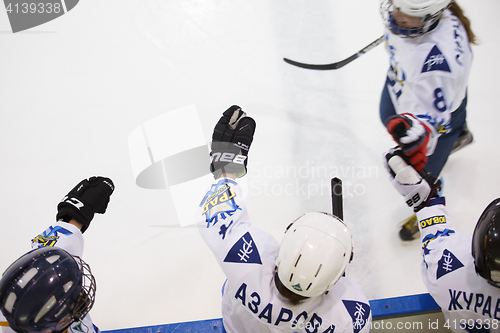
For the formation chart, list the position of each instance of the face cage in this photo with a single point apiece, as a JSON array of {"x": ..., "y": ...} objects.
[
  {"x": 87, "y": 295},
  {"x": 494, "y": 283},
  {"x": 387, "y": 9},
  {"x": 85, "y": 301}
]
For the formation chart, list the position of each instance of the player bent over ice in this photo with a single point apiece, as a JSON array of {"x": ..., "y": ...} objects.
[
  {"x": 424, "y": 99},
  {"x": 461, "y": 272},
  {"x": 50, "y": 289},
  {"x": 296, "y": 287}
]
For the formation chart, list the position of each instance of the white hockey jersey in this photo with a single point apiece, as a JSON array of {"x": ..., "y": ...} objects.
[
  {"x": 67, "y": 237},
  {"x": 448, "y": 272},
  {"x": 251, "y": 302},
  {"x": 428, "y": 75}
]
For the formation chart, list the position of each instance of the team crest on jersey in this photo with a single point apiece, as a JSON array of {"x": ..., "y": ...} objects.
[
  {"x": 359, "y": 313},
  {"x": 435, "y": 61},
  {"x": 49, "y": 237},
  {"x": 244, "y": 251},
  {"x": 447, "y": 264},
  {"x": 219, "y": 202}
]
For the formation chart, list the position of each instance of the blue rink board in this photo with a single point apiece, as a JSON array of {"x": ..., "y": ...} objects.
[{"x": 381, "y": 309}]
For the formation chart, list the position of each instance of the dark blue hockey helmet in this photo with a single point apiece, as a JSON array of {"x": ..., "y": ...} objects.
[
  {"x": 46, "y": 290},
  {"x": 486, "y": 244}
]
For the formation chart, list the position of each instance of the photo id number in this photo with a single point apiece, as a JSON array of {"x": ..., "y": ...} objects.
[{"x": 41, "y": 8}]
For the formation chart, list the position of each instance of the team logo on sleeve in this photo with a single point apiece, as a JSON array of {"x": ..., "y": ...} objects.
[
  {"x": 49, "y": 237},
  {"x": 359, "y": 313},
  {"x": 435, "y": 61},
  {"x": 438, "y": 123},
  {"x": 244, "y": 251},
  {"x": 433, "y": 221},
  {"x": 219, "y": 203},
  {"x": 430, "y": 237},
  {"x": 447, "y": 264}
]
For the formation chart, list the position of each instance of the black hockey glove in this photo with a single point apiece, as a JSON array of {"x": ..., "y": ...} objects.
[
  {"x": 85, "y": 199},
  {"x": 231, "y": 141},
  {"x": 418, "y": 187}
]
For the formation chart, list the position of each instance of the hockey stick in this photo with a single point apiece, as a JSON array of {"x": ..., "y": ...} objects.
[
  {"x": 337, "y": 208},
  {"x": 337, "y": 205},
  {"x": 337, "y": 65}
]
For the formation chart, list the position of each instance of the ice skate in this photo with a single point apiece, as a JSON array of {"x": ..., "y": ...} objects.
[
  {"x": 409, "y": 228},
  {"x": 465, "y": 138}
]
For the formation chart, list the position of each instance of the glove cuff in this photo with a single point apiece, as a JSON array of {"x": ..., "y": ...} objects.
[
  {"x": 218, "y": 168},
  {"x": 227, "y": 157}
]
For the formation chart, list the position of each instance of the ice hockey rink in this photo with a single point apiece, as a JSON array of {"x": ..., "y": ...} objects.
[{"x": 74, "y": 90}]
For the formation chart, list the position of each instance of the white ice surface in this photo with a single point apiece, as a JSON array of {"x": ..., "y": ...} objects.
[{"x": 75, "y": 88}]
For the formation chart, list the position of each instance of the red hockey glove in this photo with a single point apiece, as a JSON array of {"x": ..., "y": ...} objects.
[{"x": 412, "y": 136}]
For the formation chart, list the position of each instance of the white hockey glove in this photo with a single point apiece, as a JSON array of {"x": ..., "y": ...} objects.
[{"x": 417, "y": 187}]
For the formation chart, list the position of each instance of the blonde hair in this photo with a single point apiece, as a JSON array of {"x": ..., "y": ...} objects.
[{"x": 459, "y": 13}]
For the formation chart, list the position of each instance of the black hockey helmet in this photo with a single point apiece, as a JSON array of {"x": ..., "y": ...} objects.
[
  {"x": 486, "y": 244},
  {"x": 46, "y": 290}
]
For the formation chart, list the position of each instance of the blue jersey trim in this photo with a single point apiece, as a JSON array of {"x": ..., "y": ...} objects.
[
  {"x": 380, "y": 308},
  {"x": 436, "y": 201}
]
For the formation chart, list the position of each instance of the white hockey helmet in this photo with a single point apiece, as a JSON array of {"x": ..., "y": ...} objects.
[
  {"x": 429, "y": 12},
  {"x": 314, "y": 253},
  {"x": 421, "y": 8}
]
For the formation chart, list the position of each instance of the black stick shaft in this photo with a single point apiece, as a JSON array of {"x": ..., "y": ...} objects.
[
  {"x": 339, "y": 64},
  {"x": 337, "y": 205}
]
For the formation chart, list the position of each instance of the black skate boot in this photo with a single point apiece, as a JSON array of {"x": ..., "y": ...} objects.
[
  {"x": 465, "y": 138},
  {"x": 409, "y": 229}
]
